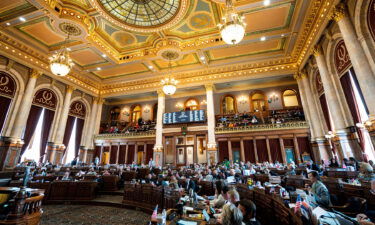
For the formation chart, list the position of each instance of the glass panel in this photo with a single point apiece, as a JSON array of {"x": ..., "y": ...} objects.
[
  {"x": 190, "y": 140},
  {"x": 180, "y": 156},
  {"x": 290, "y": 98},
  {"x": 169, "y": 156},
  {"x": 180, "y": 141},
  {"x": 189, "y": 155}
]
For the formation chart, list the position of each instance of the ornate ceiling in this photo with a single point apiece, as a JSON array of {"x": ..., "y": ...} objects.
[{"x": 118, "y": 46}]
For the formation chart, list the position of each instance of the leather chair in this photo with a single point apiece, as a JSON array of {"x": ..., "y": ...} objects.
[{"x": 353, "y": 206}]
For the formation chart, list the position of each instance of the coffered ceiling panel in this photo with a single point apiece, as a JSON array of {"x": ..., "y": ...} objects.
[
  {"x": 42, "y": 31},
  {"x": 277, "y": 18},
  {"x": 246, "y": 50},
  {"x": 122, "y": 70},
  {"x": 87, "y": 57},
  {"x": 186, "y": 60},
  {"x": 6, "y": 5}
]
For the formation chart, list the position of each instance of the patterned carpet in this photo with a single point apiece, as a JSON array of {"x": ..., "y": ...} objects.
[{"x": 91, "y": 215}]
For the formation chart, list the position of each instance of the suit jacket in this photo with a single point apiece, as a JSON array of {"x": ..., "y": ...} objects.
[
  {"x": 320, "y": 193},
  {"x": 190, "y": 185}
]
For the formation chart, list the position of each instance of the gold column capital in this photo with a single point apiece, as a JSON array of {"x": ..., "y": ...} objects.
[
  {"x": 70, "y": 89},
  {"x": 160, "y": 92},
  {"x": 209, "y": 87},
  {"x": 296, "y": 76},
  {"x": 300, "y": 75},
  {"x": 317, "y": 50},
  {"x": 35, "y": 73},
  {"x": 339, "y": 12}
]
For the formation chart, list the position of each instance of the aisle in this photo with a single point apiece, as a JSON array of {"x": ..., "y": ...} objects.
[{"x": 91, "y": 215}]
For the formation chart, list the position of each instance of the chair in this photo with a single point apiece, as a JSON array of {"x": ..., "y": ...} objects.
[{"x": 353, "y": 206}]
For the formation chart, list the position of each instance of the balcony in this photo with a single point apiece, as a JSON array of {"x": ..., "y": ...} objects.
[
  {"x": 129, "y": 135},
  {"x": 263, "y": 127}
]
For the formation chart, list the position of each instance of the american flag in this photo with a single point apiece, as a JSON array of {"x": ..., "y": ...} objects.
[
  {"x": 298, "y": 204},
  {"x": 155, "y": 213}
]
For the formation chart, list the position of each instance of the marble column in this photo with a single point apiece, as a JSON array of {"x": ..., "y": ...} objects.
[
  {"x": 242, "y": 150},
  {"x": 296, "y": 149},
  {"x": 268, "y": 150},
  {"x": 211, "y": 144},
  {"x": 98, "y": 117},
  {"x": 324, "y": 151},
  {"x": 24, "y": 109},
  {"x": 230, "y": 152},
  {"x": 255, "y": 150},
  {"x": 282, "y": 148},
  {"x": 64, "y": 116},
  {"x": 91, "y": 122},
  {"x": 348, "y": 146},
  {"x": 158, "y": 147},
  {"x": 361, "y": 65}
]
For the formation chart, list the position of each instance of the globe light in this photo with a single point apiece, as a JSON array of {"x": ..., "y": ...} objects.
[
  {"x": 61, "y": 63},
  {"x": 232, "y": 29},
  {"x": 169, "y": 86}
]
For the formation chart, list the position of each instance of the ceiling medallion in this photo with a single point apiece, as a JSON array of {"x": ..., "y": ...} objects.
[
  {"x": 71, "y": 29},
  {"x": 142, "y": 15}
]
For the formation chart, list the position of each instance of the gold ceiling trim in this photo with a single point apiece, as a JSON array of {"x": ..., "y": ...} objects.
[
  {"x": 211, "y": 77},
  {"x": 29, "y": 56}
]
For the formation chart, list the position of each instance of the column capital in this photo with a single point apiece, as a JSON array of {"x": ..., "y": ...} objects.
[
  {"x": 317, "y": 50},
  {"x": 209, "y": 87},
  {"x": 160, "y": 92},
  {"x": 339, "y": 12},
  {"x": 70, "y": 89},
  {"x": 35, "y": 73},
  {"x": 99, "y": 100},
  {"x": 9, "y": 64}
]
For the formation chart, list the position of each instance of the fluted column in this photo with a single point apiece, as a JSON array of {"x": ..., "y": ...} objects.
[
  {"x": 24, "y": 109},
  {"x": 361, "y": 65},
  {"x": 324, "y": 152},
  {"x": 98, "y": 117},
  {"x": 64, "y": 116},
  {"x": 91, "y": 123},
  {"x": 158, "y": 148},
  {"x": 211, "y": 145},
  {"x": 348, "y": 146}
]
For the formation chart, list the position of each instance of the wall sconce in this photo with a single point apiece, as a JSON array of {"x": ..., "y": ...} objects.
[
  {"x": 179, "y": 105},
  {"x": 242, "y": 100},
  {"x": 273, "y": 98},
  {"x": 204, "y": 102},
  {"x": 365, "y": 124},
  {"x": 125, "y": 113}
]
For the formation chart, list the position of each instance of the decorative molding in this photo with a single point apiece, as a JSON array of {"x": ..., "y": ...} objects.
[{"x": 263, "y": 127}]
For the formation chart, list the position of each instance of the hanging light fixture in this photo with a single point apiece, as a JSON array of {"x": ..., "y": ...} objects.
[
  {"x": 169, "y": 84},
  {"x": 232, "y": 29},
  {"x": 61, "y": 63}
]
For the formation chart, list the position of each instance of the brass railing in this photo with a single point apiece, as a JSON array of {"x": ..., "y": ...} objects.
[
  {"x": 263, "y": 127},
  {"x": 143, "y": 134}
]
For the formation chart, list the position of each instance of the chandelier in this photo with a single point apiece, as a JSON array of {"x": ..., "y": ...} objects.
[
  {"x": 61, "y": 63},
  {"x": 232, "y": 29},
  {"x": 169, "y": 84}
]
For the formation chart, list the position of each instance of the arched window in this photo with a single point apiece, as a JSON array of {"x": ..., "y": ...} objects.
[
  {"x": 228, "y": 105},
  {"x": 258, "y": 101},
  {"x": 290, "y": 98},
  {"x": 191, "y": 104},
  {"x": 136, "y": 113}
]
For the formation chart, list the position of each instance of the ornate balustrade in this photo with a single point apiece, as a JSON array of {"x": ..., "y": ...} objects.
[
  {"x": 263, "y": 127},
  {"x": 145, "y": 134}
]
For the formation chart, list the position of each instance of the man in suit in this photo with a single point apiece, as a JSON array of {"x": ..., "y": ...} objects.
[{"x": 190, "y": 184}]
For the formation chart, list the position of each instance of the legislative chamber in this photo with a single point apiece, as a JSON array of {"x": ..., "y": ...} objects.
[{"x": 187, "y": 112}]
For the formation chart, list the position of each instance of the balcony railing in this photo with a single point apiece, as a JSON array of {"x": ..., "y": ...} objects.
[
  {"x": 263, "y": 127},
  {"x": 144, "y": 134}
]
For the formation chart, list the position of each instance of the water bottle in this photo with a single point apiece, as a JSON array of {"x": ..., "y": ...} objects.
[{"x": 164, "y": 217}]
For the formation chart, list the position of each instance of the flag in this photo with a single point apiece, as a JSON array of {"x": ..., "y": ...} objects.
[
  {"x": 298, "y": 204},
  {"x": 305, "y": 209},
  {"x": 155, "y": 213}
]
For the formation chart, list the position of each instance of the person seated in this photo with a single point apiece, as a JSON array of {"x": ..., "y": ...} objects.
[
  {"x": 248, "y": 210},
  {"x": 66, "y": 175},
  {"x": 91, "y": 172},
  {"x": 366, "y": 172},
  {"x": 354, "y": 163},
  {"x": 230, "y": 215},
  {"x": 174, "y": 183},
  {"x": 333, "y": 163},
  {"x": 106, "y": 173},
  {"x": 221, "y": 196},
  {"x": 318, "y": 191},
  {"x": 233, "y": 197}
]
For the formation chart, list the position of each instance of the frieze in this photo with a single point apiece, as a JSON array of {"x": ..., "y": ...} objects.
[
  {"x": 7, "y": 85},
  {"x": 342, "y": 59},
  {"x": 45, "y": 98}
]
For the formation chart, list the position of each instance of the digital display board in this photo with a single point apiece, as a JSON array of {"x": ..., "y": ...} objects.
[{"x": 184, "y": 117}]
